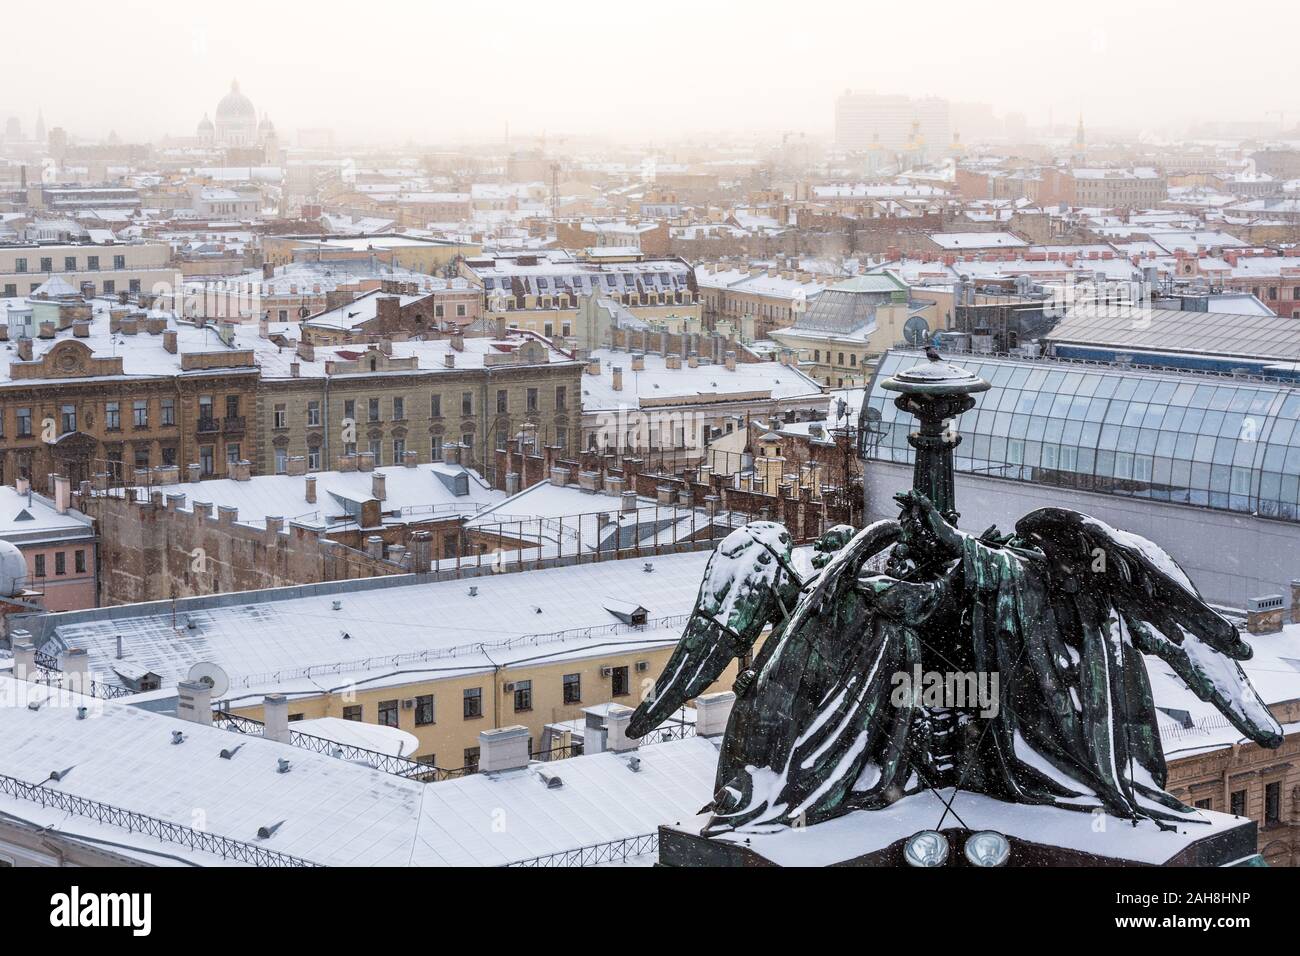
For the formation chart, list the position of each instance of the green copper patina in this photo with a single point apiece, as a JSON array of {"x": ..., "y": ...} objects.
[{"x": 911, "y": 654}]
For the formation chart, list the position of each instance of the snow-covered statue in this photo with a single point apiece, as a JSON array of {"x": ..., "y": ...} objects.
[{"x": 831, "y": 715}]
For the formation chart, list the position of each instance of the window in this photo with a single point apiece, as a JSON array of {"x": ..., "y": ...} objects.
[
  {"x": 619, "y": 682},
  {"x": 377, "y": 449},
  {"x": 523, "y": 695},
  {"x": 79, "y": 561},
  {"x": 232, "y": 406},
  {"x": 68, "y": 418},
  {"x": 561, "y": 397},
  {"x": 69, "y": 263},
  {"x": 399, "y": 451},
  {"x": 110, "y": 286},
  {"x": 40, "y": 565},
  {"x": 424, "y": 710},
  {"x": 388, "y": 713},
  {"x": 313, "y": 413},
  {"x": 113, "y": 416},
  {"x": 467, "y": 403},
  {"x": 399, "y": 409},
  {"x": 24, "y": 423},
  {"x": 372, "y": 409},
  {"x": 471, "y": 759},
  {"x": 1238, "y": 804},
  {"x": 133, "y": 285},
  {"x": 352, "y": 712},
  {"x": 281, "y": 461},
  {"x": 1206, "y": 804},
  {"x": 503, "y": 400},
  {"x": 561, "y": 437},
  {"x": 1273, "y": 802},
  {"x": 532, "y": 399},
  {"x": 142, "y": 456},
  {"x": 92, "y": 263},
  {"x": 573, "y": 688},
  {"x": 232, "y": 454},
  {"x": 140, "y": 413},
  {"x": 20, "y": 265},
  {"x": 119, "y": 262},
  {"x": 281, "y": 416},
  {"x": 205, "y": 460},
  {"x": 435, "y": 406},
  {"x": 168, "y": 455},
  {"x": 60, "y": 562},
  {"x": 473, "y": 702},
  {"x": 168, "y": 409},
  {"x": 503, "y": 438},
  {"x": 47, "y": 264},
  {"x": 313, "y": 458}
]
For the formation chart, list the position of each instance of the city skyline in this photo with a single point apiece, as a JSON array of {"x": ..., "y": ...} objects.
[{"x": 725, "y": 74}]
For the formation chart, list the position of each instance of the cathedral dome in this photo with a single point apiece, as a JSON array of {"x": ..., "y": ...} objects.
[
  {"x": 235, "y": 106},
  {"x": 205, "y": 125}
]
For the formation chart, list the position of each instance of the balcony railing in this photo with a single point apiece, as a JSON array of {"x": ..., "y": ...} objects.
[
  {"x": 233, "y": 424},
  {"x": 208, "y": 426}
]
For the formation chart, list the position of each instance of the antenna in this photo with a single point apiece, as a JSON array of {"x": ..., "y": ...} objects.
[{"x": 207, "y": 672}]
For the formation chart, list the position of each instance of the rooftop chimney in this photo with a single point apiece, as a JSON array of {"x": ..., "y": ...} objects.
[
  {"x": 379, "y": 486},
  {"x": 366, "y": 461},
  {"x": 275, "y": 718},
  {"x": 241, "y": 470},
  {"x": 309, "y": 484},
  {"x": 503, "y": 748},
  {"x": 194, "y": 701},
  {"x": 618, "y": 378},
  {"x": 712, "y": 711}
]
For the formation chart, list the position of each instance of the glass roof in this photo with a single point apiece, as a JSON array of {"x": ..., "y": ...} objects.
[{"x": 1187, "y": 438}]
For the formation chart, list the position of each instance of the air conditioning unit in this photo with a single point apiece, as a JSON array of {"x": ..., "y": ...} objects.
[
  {"x": 508, "y": 687},
  {"x": 642, "y": 665},
  {"x": 408, "y": 703},
  {"x": 607, "y": 672}
]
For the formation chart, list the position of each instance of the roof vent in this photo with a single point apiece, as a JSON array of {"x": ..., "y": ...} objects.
[
  {"x": 473, "y": 590},
  {"x": 346, "y": 635},
  {"x": 57, "y": 775},
  {"x": 34, "y": 704},
  {"x": 178, "y": 737},
  {"x": 338, "y": 605},
  {"x": 281, "y": 766},
  {"x": 81, "y": 713},
  {"x": 265, "y": 833},
  {"x": 648, "y": 567},
  {"x": 634, "y": 764},
  {"x": 227, "y": 754},
  {"x": 551, "y": 779}
]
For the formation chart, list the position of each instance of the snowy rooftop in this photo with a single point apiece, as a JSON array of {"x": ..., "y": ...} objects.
[
  {"x": 386, "y": 629},
  {"x": 32, "y": 518},
  {"x": 421, "y": 493},
  {"x": 329, "y": 811},
  {"x": 685, "y": 385}
]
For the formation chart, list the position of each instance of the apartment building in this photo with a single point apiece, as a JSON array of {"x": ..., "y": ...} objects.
[
  {"x": 393, "y": 397},
  {"x": 93, "y": 387},
  {"x": 98, "y": 268},
  {"x": 542, "y": 292}
]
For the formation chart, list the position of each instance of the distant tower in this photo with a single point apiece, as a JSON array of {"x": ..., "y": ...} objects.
[
  {"x": 40, "y": 127},
  {"x": 1080, "y": 149}
]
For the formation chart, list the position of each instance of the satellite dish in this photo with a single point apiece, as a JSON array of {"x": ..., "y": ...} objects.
[
  {"x": 206, "y": 672},
  {"x": 916, "y": 331}
]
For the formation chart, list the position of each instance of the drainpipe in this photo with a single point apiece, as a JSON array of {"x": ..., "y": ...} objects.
[{"x": 327, "y": 460}]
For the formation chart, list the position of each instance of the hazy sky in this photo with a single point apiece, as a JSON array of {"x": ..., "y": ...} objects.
[{"x": 435, "y": 70}]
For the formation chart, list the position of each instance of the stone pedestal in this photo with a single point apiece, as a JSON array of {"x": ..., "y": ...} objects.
[{"x": 1039, "y": 836}]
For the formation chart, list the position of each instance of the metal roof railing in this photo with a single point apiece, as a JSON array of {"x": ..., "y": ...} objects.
[
  {"x": 377, "y": 760},
  {"x": 164, "y": 830},
  {"x": 614, "y": 851}
]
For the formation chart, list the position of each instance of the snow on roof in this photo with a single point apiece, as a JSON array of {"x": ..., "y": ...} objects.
[
  {"x": 326, "y": 810},
  {"x": 977, "y": 240},
  {"x": 29, "y": 518},
  {"x": 292, "y": 640},
  {"x": 707, "y": 383},
  {"x": 410, "y": 494},
  {"x": 356, "y": 733}
]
